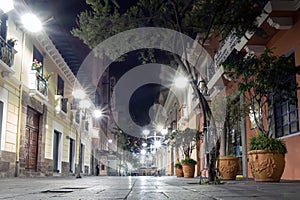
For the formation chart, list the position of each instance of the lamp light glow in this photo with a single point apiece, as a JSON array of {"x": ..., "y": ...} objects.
[
  {"x": 84, "y": 103},
  {"x": 143, "y": 151},
  {"x": 31, "y": 22},
  {"x": 98, "y": 113},
  {"x": 146, "y": 132},
  {"x": 181, "y": 82},
  {"x": 6, "y": 5},
  {"x": 78, "y": 94}
]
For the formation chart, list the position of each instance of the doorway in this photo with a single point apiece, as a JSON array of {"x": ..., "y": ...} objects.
[
  {"x": 71, "y": 155},
  {"x": 31, "y": 140},
  {"x": 56, "y": 151}
]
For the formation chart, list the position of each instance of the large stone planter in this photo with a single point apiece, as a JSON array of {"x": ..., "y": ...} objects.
[
  {"x": 228, "y": 167},
  {"x": 178, "y": 172},
  {"x": 188, "y": 171},
  {"x": 266, "y": 166}
]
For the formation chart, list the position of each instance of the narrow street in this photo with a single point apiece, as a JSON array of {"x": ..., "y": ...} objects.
[{"x": 143, "y": 187}]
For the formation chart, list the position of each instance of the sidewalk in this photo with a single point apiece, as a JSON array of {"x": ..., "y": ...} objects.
[{"x": 136, "y": 188}]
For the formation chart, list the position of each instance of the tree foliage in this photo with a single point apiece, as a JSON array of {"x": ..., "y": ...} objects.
[
  {"x": 190, "y": 17},
  {"x": 185, "y": 140},
  {"x": 266, "y": 79}
]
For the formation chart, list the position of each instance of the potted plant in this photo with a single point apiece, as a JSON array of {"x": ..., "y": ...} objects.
[
  {"x": 12, "y": 42},
  {"x": 266, "y": 80},
  {"x": 47, "y": 76},
  {"x": 36, "y": 65},
  {"x": 228, "y": 167},
  {"x": 233, "y": 110},
  {"x": 185, "y": 140},
  {"x": 178, "y": 169},
  {"x": 188, "y": 166},
  {"x": 266, "y": 157}
]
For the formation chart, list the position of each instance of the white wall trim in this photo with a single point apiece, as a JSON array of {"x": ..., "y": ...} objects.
[
  {"x": 58, "y": 127},
  {"x": 4, "y": 99}
]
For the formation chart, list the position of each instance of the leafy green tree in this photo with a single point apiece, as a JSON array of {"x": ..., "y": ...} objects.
[
  {"x": 208, "y": 18},
  {"x": 266, "y": 80}
]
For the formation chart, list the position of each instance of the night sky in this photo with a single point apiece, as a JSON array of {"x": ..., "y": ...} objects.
[{"x": 74, "y": 51}]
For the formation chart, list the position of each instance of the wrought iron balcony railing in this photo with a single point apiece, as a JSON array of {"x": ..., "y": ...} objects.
[
  {"x": 6, "y": 53},
  {"x": 41, "y": 85}
]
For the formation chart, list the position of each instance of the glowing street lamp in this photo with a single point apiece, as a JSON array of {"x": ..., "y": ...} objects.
[
  {"x": 159, "y": 128},
  {"x": 146, "y": 132},
  {"x": 144, "y": 144},
  {"x": 143, "y": 152},
  {"x": 98, "y": 114},
  {"x": 31, "y": 22},
  {"x": 164, "y": 131},
  {"x": 181, "y": 82},
  {"x": 157, "y": 144},
  {"x": 6, "y": 5},
  {"x": 78, "y": 94}
]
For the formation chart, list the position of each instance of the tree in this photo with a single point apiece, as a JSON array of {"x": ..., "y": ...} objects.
[
  {"x": 208, "y": 18},
  {"x": 185, "y": 140},
  {"x": 265, "y": 80}
]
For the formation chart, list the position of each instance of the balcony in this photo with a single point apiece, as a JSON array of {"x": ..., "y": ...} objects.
[
  {"x": 7, "y": 54},
  {"x": 38, "y": 86}
]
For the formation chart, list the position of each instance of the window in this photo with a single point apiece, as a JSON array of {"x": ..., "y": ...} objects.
[
  {"x": 286, "y": 113},
  {"x": 286, "y": 118},
  {"x": 39, "y": 57},
  {"x": 60, "y": 86},
  {"x": 3, "y": 26}
]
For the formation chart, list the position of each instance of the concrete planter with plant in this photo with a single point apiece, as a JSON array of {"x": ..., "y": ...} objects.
[{"x": 265, "y": 81}]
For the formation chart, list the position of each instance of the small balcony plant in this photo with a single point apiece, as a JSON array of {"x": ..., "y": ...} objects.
[
  {"x": 12, "y": 42},
  {"x": 36, "y": 65},
  {"x": 47, "y": 76}
]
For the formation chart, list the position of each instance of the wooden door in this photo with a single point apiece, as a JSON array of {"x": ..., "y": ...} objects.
[{"x": 31, "y": 140}]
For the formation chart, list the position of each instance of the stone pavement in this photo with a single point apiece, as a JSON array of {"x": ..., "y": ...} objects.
[{"x": 136, "y": 188}]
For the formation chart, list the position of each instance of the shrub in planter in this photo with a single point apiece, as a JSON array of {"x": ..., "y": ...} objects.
[
  {"x": 188, "y": 165},
  {"x": 266, "y": 158},
  {"x": 267, "y": 80},
  {"x": 178, "y": 169}
]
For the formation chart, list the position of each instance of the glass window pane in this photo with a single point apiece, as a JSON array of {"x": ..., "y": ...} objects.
[
  {"x": 278, "y": 112},
  {"x": 292, "y": 107},
  {"x": 278, "y": 122},
  {"x": 286, "y": 130},
  {"x": 279, "y": 132},
  {"x": 293, "y": 116},
  {"x": 284, "y": 108},
  {"x": 285, "y": 119},
  {"x": 294, "y": 127}
]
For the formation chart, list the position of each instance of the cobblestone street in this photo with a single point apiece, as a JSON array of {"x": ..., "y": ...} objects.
[{"x": 142, "y": 188}]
